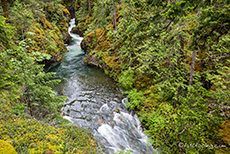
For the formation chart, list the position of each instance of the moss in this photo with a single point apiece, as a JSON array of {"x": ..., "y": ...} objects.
[
  {"x": 6, "y": 148},
  {"x": 111, "y": 61},
  {"x": 48, "y": 39}
]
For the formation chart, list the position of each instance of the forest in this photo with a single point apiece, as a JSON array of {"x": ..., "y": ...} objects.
[
  {"x": 33, "y": 35},
  {"x": 171, "y": 58}
]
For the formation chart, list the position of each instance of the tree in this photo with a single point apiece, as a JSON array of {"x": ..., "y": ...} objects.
[
  {"x": 5, "y": 8},
  {"x": 173, "y": 62},
  {"x": 114, "y": 16},
  {"x": 22, "y": 19},
  {"x": 89, "y": 8},
  {"x": 36, "y": 91},
  {"x": 194, "y": 51}
]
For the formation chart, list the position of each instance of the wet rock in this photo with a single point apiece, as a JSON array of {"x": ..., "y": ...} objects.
[
  {"x": 81, "y": 123},
  {"x": 75, "y": 114},
  {"x": 88, "y": 118},
  {"x": 84, "y": 105},
  {"x": 84, "y": 115},
  {"x": 112, "y": 123},
  {"x": 113, "y": 104},
  {"x": 66, "y": 109},
  {"x": 76, "y": 105},
  {"x": 83, "y": 99},
  {"x": 77, "y": 30},
  {"x": 117, "y": 110},
  {"x": 66, "y": 37},
  {"x": 105, "y": 109},
  {"x": 91, "y": 60},
  {"x": 100, "y": 121},
  {"x": 116, "y": 99}
]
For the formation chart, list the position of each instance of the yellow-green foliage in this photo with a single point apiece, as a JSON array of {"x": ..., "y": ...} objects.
[
  {"x": 83, "y": 15},
  {"x": 51, "y": 31},
  {"x": 48, "y": 38},
  {"x": 33, "y": 136},
  {"x": 47, "y": 27},
  {"x": 60, "y": 15},
  {"x": 5, "y": 147}
]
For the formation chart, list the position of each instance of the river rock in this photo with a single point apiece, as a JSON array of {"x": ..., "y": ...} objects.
[
  {"x": 91, "y": 60},
  {"x": 75, "y": 114},
  {"x": 76, "y": 30}
]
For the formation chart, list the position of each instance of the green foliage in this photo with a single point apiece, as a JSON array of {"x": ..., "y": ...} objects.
[
  {"x": 23, "y": 19},
  {"x": 32, "y": 35},
  {"x": 48, "y": 22},
  {"x": 127, "y": 79},
  {"x": 153, "y": 48},
  {"x": 101, "y": 15},
  {"x": 5, "y": 33},
  {"x": 37, "y": 93},
  {"x": 124, "y": 152},
  {"x": 136, "y": 99}
]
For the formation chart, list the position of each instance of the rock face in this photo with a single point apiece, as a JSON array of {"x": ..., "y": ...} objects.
[
  {"x": 66, "y": 37},
  {"x": 50, "y": 33},
  {"x": 62, "y": 22},
  {"x": 92, "y": 60},
  {"x": 69, "y": 4},
  {"x": 76, "y": 30},
  {"x": 6, "y": 148},
  {"x": 88, "y": 44},
  {"x": 95, "y": 44}
]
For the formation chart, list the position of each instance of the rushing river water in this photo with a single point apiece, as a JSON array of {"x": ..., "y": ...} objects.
[{"x": 94, "y": 102}]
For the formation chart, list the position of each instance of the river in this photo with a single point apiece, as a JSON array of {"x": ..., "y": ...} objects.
[{"x": 94, "y": 102}]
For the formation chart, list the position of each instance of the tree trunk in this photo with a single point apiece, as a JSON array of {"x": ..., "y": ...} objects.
[
  {"x": 89, "y": 7},
  {"x": 44, "y": 7},
  {"x": 11, "y": 3},
  {"x": 192, "y": 66},
  {"x": 194, "y": 54},
  {"x": 114, "y": 17},
  {"x": 5, "y": 8}
]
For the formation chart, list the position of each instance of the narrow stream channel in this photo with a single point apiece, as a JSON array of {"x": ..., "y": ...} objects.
[{"x": 94, "y": 102}]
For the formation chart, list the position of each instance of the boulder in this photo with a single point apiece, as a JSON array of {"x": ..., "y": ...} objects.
[{"x": 6, "y": 148}]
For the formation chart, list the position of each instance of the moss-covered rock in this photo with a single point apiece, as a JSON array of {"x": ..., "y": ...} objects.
[
  {"x": 225, "y": 131},
  {"x": 96, "y": 44},
  {"x": 82, "y": 17},
  {"x": 6, "y": 148},
  {"x": 60, "y": 15},
  {"x": 89, "y": 43},
  {"x": 69, "y": 4},
  {"x": 82, "y": 25},
  {"x": 50, "y": 32},
  {"x": 92, "y": 60},
  {"x": 77, "y": 30},
  {"x": 48, "y": 39}
]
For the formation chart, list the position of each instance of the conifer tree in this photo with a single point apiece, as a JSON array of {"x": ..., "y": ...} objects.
[{"x": 5, "y": 8}]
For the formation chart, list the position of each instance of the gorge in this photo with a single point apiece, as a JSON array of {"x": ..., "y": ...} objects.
[{"x": 95, "y": 102}]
